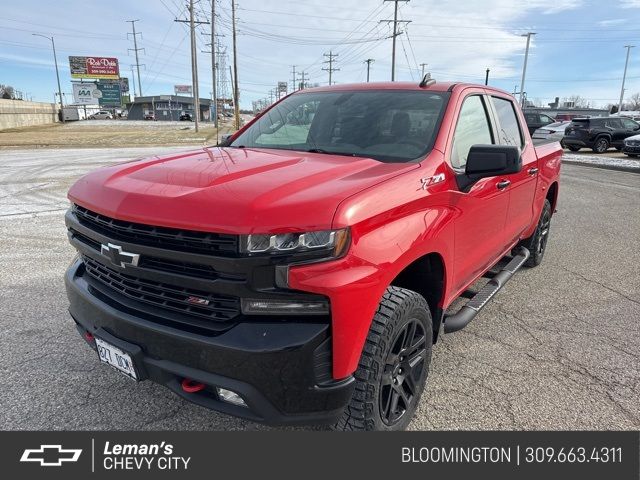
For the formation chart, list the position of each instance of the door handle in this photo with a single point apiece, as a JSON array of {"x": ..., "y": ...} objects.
[
  {"x": 503, "y": 184},
  {"x": 533, "y": 171}
]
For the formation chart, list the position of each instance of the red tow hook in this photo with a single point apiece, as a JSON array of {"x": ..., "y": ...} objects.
[
  {"x": 88, "y": 336},
  {"x": 191, "y": 386}
]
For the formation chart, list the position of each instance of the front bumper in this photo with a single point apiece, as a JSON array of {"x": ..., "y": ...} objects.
[
  {"x": 282, "y": 370},
  {"x": 633, "y": 149}
]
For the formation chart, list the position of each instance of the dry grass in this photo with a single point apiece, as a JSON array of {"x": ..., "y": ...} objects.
[{"x": 111, "y": 133}]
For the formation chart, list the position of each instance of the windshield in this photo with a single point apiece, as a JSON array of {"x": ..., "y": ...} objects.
[{"x": 387, "y": 125}]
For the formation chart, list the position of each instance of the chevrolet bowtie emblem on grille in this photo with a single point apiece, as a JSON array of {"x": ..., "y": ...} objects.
[
  {"x": 118, "y": 257},
  {"x": 50, "y": 455}
]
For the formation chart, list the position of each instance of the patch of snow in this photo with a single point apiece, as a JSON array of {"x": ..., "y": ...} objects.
[{"x": 602, "y": 160}]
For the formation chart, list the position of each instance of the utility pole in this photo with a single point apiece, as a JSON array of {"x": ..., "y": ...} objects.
[
  {"x": 293, "y": 78},
  {"x": 331, "y": 56},
  {"x": 624, "y": 77},
  {"x": 236, "y": 90},
  {"x": 395, "y": 34},
  {"x": 369, "y": 61},
  {"x": 524, "y": 68},
  {"x": 194, "y": 62},
  {"x": 136, "y": 49},
  {"x": 423, "y": 65},
  {"x": 213, "y": 66},
  {"x": 486, "y": 77},
  {"x": 303, "y": 80},
  {"x": 55, "y": 61},
  {"x": 133, "y": 82}
]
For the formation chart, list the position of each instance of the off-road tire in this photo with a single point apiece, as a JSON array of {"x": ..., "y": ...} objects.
[
  {"x": 537, "y": 243},
  {"x": 399, "y": 308}
]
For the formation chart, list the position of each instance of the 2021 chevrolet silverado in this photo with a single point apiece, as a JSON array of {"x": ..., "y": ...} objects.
[{"x": 302, "y": 271}]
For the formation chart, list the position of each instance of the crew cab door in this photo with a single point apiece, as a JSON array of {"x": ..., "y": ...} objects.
[
  {"x": 522, "y": 185},
  {"x": 482, "y": 211}
]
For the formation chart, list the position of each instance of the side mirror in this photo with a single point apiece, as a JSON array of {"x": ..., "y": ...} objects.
[
  {"x": 489, "y": 161},
  {"x": 225, "y": 140}
]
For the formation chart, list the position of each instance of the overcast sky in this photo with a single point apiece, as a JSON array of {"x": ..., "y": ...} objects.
[{"x": 578, "y": 49}]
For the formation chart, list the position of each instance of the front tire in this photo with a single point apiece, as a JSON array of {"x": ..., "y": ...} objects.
[
  {"x": 394, "y": 364},
  {"x": 537, "y": 243}
]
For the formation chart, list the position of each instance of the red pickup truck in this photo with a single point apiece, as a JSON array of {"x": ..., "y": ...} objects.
[{"x": 301, "y": 271}]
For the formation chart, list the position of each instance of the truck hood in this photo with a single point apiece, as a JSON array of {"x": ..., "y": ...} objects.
[{"x": 231, "y": 190}]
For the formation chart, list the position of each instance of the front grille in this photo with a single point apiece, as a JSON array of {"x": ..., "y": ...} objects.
[
  {"x": 194, "y": 303},
  {"x": 159, "y": 237}
]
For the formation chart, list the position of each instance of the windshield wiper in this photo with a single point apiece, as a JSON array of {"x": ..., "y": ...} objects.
[{"x": 327, "y": 152}]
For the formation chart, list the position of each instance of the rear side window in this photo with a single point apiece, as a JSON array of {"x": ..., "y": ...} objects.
[
  {"x": 509, "y": 132},
  {"x": 613, "y": 123},
  {"x": 473, "y": 128},
  {"x": 532, "y": 118}
]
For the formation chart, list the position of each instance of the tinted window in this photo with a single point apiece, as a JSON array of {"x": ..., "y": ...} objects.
[
  {"x": 613, "y": 123},
  {"x": 532, "y": 118},
  {"x": 387, "y": 125},
  {"x": 509, "y": 132},
  {"x": 629, "y": 124},
  {"x": 473, "y": 128}
]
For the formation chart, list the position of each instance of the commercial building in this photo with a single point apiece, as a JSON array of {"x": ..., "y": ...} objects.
[{"x": 167, "y": 107}]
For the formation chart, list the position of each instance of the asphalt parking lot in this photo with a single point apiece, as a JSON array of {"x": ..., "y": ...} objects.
[{"x": 558, "y": 348}]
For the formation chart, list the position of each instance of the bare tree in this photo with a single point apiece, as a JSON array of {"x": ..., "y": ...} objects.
[
  {"x": 7, "y": 92},
  {"x": 577, "y": 100},
  {"x": 633, "y": 102}
]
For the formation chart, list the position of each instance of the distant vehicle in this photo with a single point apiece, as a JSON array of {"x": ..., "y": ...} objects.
[
  {"x": 537, "y": 120},
  {"x": 632, "y": 146},
  {"x": 599, "y": 133},
  {"x": 101, "y": 115},
  {"x": 186, "y": 117},
  {"x": 552, "y": 132},
  {"x": 228, "y": 114},
  {"x": 149, "y": 116}
]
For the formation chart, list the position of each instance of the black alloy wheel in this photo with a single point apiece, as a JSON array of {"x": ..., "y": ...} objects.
[{"x": 402, "y": 372}]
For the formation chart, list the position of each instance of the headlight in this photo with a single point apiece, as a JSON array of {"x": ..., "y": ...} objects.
[{"x": 333, "y": 242}]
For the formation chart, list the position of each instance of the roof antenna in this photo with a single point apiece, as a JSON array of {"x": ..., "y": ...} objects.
[{"x": 427, "y": 81}]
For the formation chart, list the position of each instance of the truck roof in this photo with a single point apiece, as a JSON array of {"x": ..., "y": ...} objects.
[{"x": 436, "y": 87}]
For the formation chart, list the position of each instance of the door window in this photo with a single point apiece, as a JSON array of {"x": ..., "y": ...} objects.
[
  {"x": 509, "y": 132},
  {"x": 629, "y": 124},
  {"x": 473, "y": 128}
]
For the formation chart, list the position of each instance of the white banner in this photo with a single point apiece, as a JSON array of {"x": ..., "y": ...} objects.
[{"x": 86, "y": 93}]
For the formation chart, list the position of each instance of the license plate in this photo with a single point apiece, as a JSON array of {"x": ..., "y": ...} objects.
[{"x": 112, "y": 355}]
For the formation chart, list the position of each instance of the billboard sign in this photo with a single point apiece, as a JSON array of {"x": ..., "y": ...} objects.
[
  {"x": 124, "y": 85},
  {"x": 94, "y": 67},
  {"x": 86, "y": 93},
  {"x": 109, "y": 94},
  {"x": 186, "y": 89},
  {"x": 282, "y": 88}
]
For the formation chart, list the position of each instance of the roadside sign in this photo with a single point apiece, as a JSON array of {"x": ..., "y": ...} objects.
[
  {"x": 109, "y": 94},
  {"x": 94, "y": 67},
  {"x": 186, "y": 89},
  {"x": 85, "y": 93}
]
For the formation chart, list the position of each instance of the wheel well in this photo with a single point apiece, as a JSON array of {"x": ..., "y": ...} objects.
[
  {"x": 552, "y": 196},
  {"x": 426, "y": 277}
]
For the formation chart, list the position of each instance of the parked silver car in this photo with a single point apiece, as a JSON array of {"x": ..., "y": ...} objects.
[
  {"x": 101, "y": 115},
  {"x": 632, "y": 146},
  {"x": 553, "y": 131}
]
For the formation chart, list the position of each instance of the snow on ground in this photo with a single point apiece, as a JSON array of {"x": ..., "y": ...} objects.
[{"x": 601, "y": 160}]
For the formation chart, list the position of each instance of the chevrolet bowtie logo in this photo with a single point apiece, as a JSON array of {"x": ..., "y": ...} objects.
[
  {"x": 50, "y": 455},
  {"x": 117, "y": 256}
]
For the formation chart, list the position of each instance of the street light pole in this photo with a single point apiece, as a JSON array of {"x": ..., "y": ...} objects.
[
  {"x": 55, "y": 60},
  {"x": 524, "y": 68},
  {"x": 624, "y": 77}
]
